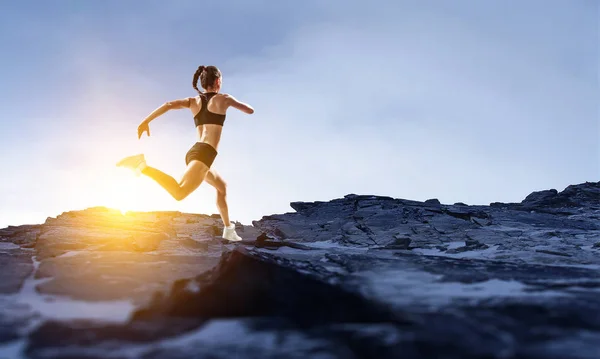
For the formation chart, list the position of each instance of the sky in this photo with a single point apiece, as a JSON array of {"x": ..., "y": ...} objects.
[{"x": 464, "y": 101}]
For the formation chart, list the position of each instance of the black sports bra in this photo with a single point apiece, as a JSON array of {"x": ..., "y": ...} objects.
[{"x": 205, "y": 116}]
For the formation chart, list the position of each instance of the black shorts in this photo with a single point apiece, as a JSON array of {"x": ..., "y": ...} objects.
[{"x": 202, "y": 152}]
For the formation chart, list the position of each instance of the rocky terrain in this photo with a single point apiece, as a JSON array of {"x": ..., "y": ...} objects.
[{"x": 355, "y": 277}]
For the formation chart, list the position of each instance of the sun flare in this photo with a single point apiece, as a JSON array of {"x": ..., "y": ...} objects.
[
  {"x": 125, "y": 192},
  {"x": 121, "y": 190}
]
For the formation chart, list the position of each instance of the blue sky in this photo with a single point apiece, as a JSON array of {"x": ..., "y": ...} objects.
[{"x": 472, "y": 101}]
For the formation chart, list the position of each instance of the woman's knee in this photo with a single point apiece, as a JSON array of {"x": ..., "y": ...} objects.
[
  {"x": 180, "y": 195},
  {"x": 221, "y": 187},
  {"x": 184, "y": 191},
  {"x": 222, "y": 197}
]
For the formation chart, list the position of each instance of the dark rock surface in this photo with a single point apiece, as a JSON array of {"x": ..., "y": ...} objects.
[
  {"x": 356, "y": 277},
  {"x": 15, "y": 265}
]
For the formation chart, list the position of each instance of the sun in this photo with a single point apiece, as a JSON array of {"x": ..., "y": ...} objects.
[{"x": 125, "y": 192}]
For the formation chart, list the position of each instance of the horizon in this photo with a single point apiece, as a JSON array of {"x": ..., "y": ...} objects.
[
  {"x": 463, "y": 102},
  {"x": 126, "y": 213}
]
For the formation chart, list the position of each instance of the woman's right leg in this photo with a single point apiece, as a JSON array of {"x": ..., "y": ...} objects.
[{"x": 213, "y": 179}]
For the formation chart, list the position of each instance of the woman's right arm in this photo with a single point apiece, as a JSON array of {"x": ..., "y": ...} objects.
[{"x": 233, "y": 102}]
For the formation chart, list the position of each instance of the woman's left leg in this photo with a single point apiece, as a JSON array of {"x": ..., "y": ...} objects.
[{"x": 191, "y": 180}]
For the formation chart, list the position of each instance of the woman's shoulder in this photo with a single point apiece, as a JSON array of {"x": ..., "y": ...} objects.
[{"x": 227, "y": 97}]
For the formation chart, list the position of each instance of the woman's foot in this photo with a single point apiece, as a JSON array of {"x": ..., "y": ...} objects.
[
  {"x": 137, "y": 163},
  {"x": 230, "y": 234}
]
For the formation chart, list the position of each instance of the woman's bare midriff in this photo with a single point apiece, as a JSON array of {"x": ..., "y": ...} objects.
[{"x": 210, "y": 133}]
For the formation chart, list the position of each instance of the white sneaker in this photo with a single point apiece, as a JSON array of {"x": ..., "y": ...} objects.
[
  {"x": 230, "y": 234},
  {"x": 136, "y": 163}
]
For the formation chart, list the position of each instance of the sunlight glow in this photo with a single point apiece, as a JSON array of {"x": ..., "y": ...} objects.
[{"x": 122, "y": 190}]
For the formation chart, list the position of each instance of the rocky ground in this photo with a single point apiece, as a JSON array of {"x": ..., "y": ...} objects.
[{"x": 355, "y": 277}]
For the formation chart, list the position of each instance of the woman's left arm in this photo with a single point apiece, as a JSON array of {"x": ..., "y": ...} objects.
[{"x": 170, "y": 105}]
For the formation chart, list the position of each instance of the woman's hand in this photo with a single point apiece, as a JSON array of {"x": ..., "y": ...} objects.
[{"x": 143, "y": 127}]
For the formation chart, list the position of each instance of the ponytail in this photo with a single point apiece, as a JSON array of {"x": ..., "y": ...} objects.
[
  {"x": 196, "y": 77},
  {"x": 207, "y": 76}
]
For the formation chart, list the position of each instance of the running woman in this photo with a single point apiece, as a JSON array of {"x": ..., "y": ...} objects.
[{"x": 209, "y": 110}]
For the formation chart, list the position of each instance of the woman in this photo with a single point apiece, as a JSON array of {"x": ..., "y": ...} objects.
[{"x": 209, "y": 109}]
